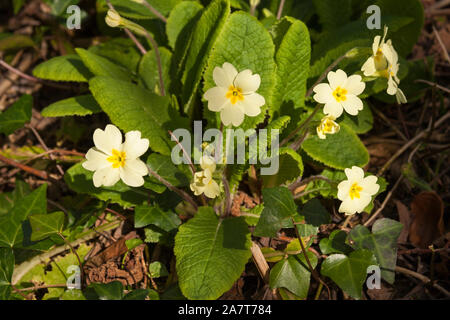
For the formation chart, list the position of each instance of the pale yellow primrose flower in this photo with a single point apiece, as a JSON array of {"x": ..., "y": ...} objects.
[
  {"x": 327, "y": 126},
  {"x": 113, "y": 18},
  {"x": 235, "y": 95},
  {"x": 384, "y": 63},
  {"x": 341, "y": 93},
  {"x": 112, "y": 160},
  {"x": 356, "y": 192},
  {"x": 203, "y": 181}
]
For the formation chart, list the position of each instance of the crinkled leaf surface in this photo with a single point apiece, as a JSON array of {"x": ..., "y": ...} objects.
[
  {"x": 75, "y": 106},
  {"x": 211, "y": 254},
  {"x": 63, "y": 68}
]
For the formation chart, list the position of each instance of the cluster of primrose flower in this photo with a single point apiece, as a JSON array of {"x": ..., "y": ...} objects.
[
  {"x": 341, "y": 92},
  {"x": 235, "y": 97}
]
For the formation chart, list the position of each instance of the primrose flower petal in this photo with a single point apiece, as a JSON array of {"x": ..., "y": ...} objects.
[
  {"x": 384, "y": 63},
  {"x": 356, "y": 192},
  {"x": 111, "y": 160},
  {"x": 113, "y": 18},
  {"x": 203, "y": 180},
  {"x": 327, "y": 126},
  {"x": 235, "y": 94},
  {"x": 341, "y": 93}
]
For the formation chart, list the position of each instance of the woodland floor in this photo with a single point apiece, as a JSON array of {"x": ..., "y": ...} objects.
[{"x": 394, "y": 127}]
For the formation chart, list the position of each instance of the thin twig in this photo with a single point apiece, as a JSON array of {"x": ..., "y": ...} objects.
[
  {"x": 76, "y": 255},
  {"x": 280, "y": 9},
  {"x": 41, "y": 174},
  {"x": 180, "y": 192},
  {"x": 41, "y": 141},
  {"x": 422, "y": 278},
  {"x": 410, "y": 143},
  {"x": 154, "y": 11},
  {"x": 311, "y": 269},
  {"x": 136, "y": 41},
  {"x": 433, "y": 84},
  {"x": 388, "y": 197},
  {"x": 154, "y": 46}
]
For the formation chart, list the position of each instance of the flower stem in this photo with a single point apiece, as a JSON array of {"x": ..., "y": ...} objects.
[{"x": 154, "y": 11}]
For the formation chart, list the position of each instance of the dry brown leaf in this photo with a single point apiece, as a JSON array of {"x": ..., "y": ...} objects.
[
  {"x": 405, "y": 218},
  {"x": 428, "y": 222}
]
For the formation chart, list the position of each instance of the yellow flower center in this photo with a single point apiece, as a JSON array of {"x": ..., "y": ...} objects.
[
  {"x": 234, "y": 94},
  {"x": 340, "y": 94},
  {"x": 329, "y": 125},
  {"x": 355, "y": 189},
  {"x": 379, "y": 55},
  {"x": 117, "y": 159}
]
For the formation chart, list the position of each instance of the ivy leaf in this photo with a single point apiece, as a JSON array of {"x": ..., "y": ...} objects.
[
  {"x": 211, "y": 254},
  {"x": 246, "y": 44},
  {"x": 279, "y": 208},
  {"x": 11, "y": 224},
  {"x": 145, "y": 215},
  {"x": 349, "y": 272},
  {"x": 335, "y": 243},
  {"x": 80, "y": 180},
  {"x": 141, "y": 294},
  {"x": 133, "y": 108},
  {"x": 204, "y": 35},
  {"x": 382, "y": 241},
  {"x": 44, "y": 225},
  {"x": 75, "y": 106},
  {"x": 293, "y": 52},
  {"x": 7, "y": 261},
  {"x": 63, "y": 68},
  {"x": 179, "y": 18},
  {"x": 108, "y": 291},
  {"x": 9, "y": 199},
  {"x": 121, "y": 51},
  {"x": 17, "y": 115},
  {"x": 315, "y": 215},
  {"x": 148, "y": 70},
  {"x": 293, "y": 274},
  {"x": 101, "y": 66},
  {"x": 341, "y": 150}
]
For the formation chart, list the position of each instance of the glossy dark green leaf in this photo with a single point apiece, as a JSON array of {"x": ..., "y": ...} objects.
[
  {"x": 45, "y": 225},
  {"x": 315, "y": 215},
  {"x": 382, "y": 241},
  {"x": 109, "y": 291},
  {"x": 6, "y": 272},
  {"x": 335, "y": 243},
  {"x": 16, "y": 115},
  {"x": 279, "y": 208},
  {"x": 165, "y": 220},
  {"x": 349, "y": 272},
  {"x": 293, "y": 274}
]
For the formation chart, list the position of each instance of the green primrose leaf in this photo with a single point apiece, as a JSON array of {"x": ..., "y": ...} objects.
[
  {"x": 165, "y": 168},
  {"x": 44, "y": 225},
  {"x": 17, "y": 115},
  {"x": 333, "y": 13},
  {"x": 341, "y": 150},
  {"x": 133, "y": 108},
  {"x": 349, "y": 272},
  {"x": 121, "y": 51},
  {"x": 290, "y": 169},
  {"x": 204, "y": 36},
  {"x": 211, "y": 254},
  {"x": 101, "y": 66},
  {"x": 293, "y": 52},
  {"x": 75, "y": 106},
  {"x": 382, "y": 241},
  {"x": 148, "y": 70},
  {"x": 179, "y": 18},
  {"x": 63, "y": 68},
  {"x": 246, "y": 44}
]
